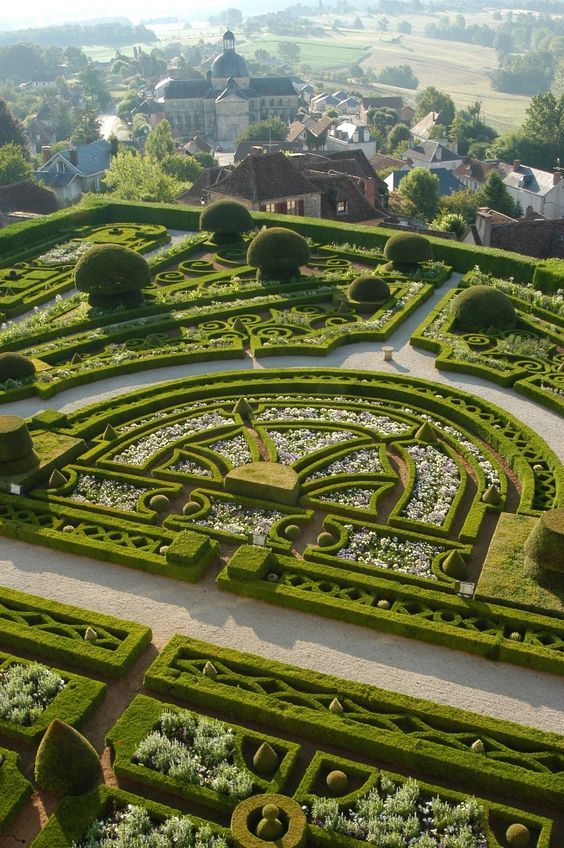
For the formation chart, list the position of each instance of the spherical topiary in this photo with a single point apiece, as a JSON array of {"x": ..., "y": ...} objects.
[
  {"x": 16, "y": 446},
  {"x": 278, "y": 253},
  {"x": 226, "y": 219},
  {"x": 544, "y": 548},
  {"x": 270, "y": 828},
  {"x": 517, "y": 835},
  {"x": 406, "y": 250},
  {"x": 367, "y": 289},
  {"x": 292, "y": 532},
  {"x": 160, "y": 503},
  {"x": 479, "y": 307},
  {"x": 112, "y": 275},
  {"x": 337, "y": 782},
  {"x": 190, "y": 507},
  {"x": 324, "y": 540},
  {"x": 249, "y": 814},
  {"x": 66, "y": 763},
  {"x": 15, "y": 366}
]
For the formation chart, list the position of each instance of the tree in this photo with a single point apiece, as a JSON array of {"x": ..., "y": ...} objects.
[
  {"x": 96, "y": 91},
  {"x": 133, "y": 177},
  {"x": 14, "y": 166},
  {"x": 545, "y": 118},
  {"x": 397, "y": 134},
  {"x": 10, "y": 128},
  {"x": 272, "y": 129},
  {"x": 400, "y": 75},
  {"x": 433, "y": 100},
  {"x": 450, "y": 222},
  {"x": 87, "y": 129},
  {"x": 183, "y": 168},
  {"x": 494, "y": 195},
  {"x": 159, "y": 142},
  {"x": 140, "y": 127},
  {"x": 421, "y": 188},
  {"x": 517, "y": 145},
  {"x": 404, "y": 27},
  {"x": 62, "y": 120},
  {"x": 382, "y": 24},
  {"x": 290, "y": 52}
]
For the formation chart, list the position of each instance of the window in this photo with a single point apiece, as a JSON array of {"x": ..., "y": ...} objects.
[
  {"x": 292, "y": 206},
  {"x": 342, "y": 207},
  {"x": 270, "y": 207}
]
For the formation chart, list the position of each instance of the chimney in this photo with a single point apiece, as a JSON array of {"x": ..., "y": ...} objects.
[
  {"x": 46, "y": 152},
  {"x": 556, "y": 177},
  {"x": 73, "y": 156},
  {"x": 516, "y": 164},
  {"x": 114, "y": 145}
]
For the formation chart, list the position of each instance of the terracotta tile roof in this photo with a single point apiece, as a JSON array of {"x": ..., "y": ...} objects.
[
  {"x": 262, "y": 177},
  {"x": 336, "y": 187},
  {"x": 380, "y": 162}
]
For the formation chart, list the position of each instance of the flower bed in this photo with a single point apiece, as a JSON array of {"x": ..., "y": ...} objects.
[{"x": 26, "y": 691}]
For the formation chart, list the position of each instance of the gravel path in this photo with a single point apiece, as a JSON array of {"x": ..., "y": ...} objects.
[{"x": 402, "y": 665}]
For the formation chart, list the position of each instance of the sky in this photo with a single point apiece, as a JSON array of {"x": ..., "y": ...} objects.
[{"x": 41, "y": 13}]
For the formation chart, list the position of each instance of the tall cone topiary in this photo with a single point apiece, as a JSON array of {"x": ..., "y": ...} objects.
[{"x": 66, "y": 763}]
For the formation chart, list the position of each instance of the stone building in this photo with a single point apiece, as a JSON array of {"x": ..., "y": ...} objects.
[{"x": 223, "y": 105}]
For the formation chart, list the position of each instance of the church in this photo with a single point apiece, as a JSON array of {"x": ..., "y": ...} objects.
[{"x": 223, "y": 105}]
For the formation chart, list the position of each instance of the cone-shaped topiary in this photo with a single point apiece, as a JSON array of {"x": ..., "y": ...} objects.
[
  {"x": 544, "y": 548},
  {"x": 491, "y": 495},
  {"x": 369, "y": 289},
  {"x": 16, "y": 446},
  {"x": 109, "y": 434},
  {"x": 427, "y": 433},
  {"x": 112, "y": 275},
  {"x": 244, "y": 409},
  {"x": 336, "y": 707},
  {"x": 479, "y": 307},
  {"x": 265, "y": 760},
  {"x": 15, "y": 366},
  {"x": 454, "y": 566},
  {"x": 517, "y": 836},
  {"x": 478, "y": 747},
  {"x": 90, "y": 635},
  {"x": 406, "y": 250},
  {"x": 337, "y": 782},
  {"x": 210, "y": 670},
  {"x": 160, "y": 503},
  {"x": 227, "y": 220},
  {"x": 76, "y": 358},
  {"x": 278, "y": 253},
  {"x": 56, "y": 480},
  {"x": 66, "y": 763}
]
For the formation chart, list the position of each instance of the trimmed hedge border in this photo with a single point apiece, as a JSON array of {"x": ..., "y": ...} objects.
[
  {"x": 120, "y": 642},
  {"x": 389, "y": 727},
  {"x": 73, "y": 704}
]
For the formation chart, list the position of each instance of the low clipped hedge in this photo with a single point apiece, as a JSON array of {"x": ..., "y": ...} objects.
[
  {"x": 73, "y": 704},
  {"x": 141, "y": 718},
  {"x": 121, "y": 642},
  {"x": 14, "y": 788},
  {"x": 177, "y": 672},
  {"x": 549, "y": 276}
]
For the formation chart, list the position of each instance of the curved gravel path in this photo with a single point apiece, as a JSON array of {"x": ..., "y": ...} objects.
[{"x": 402, "y": 665}]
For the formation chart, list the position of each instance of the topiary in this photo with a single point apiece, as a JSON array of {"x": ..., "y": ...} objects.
[
  {"x": 406, "y": 250},
  {"x": 548, "y": 276},
  {"x": 160, "y": 503},
  {"x": 368, "y": 289},
  {"x": 270, "y": 828},
  {"x": 278, "y": 253},
  {"x": 544, "y": 549},
  {"x": 454, "y": 565},
  {"x": 517, "y": 835},
  {"x": 226, "y": 219},
  {"x": 292, "y": 532},
  {"x": 479, "y": 307},
  {"x": 15, "y": 366},
  {"x": 324, "y": 540},
  {"x": 16, "y": 446},
  {"x": 337, "y": 782},
  {"x": 112, "y": 275},
  {"x": 265, "y": 760},
  {"x": 190, "y": 507},
  {"x": 491, "y": 495},
  {"x": 66, "y": 763}
]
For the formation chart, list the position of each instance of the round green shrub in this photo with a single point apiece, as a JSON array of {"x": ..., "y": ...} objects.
[
  {"x": 15, "y": 440},
  {"x": 278, "y": 253},
  {"x": 324, "y": 540},
  {"x": 548, "y": 276},
  {"x": 544, "y": 548},
  {"x": 405, "y": 251},
  {"x": 479, "y": 307},
  {"x": 337, "y": 782},
  {"x": 517, "y": 835},
  {"x": 270, "y": 828},
  {"x": 292, "y": 532},
  {"x": 226, "y": 219},
  {"x": 190, "y": 507},
  {"x": 66, "y": 763},
  {"x": 15, "y": 366},
  {"x": 111, "y": 274},
  {"x": 160, "y": 503},
  {"x": 367, "y": 289}
]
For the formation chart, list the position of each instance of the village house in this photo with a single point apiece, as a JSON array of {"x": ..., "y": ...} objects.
[{"x": 76, "y": 170}]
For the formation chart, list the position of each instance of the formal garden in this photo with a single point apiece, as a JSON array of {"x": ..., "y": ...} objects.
[{"x": 381, "y": 499}]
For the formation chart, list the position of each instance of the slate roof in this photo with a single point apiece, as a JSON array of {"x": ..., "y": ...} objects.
[
  {"x": 530, "y": 179},
  {"x": 92, "y": 158},
  {"x": 429, "y": 151},
  {"x": 380, "y": 161},
  {"x": 27, "y": 196},
  {"x": 244, "y": 148},
  {"x": 263, "y": 177},
  {"x": 200, "y": 88},
  {"x": 382, "y": 103}
]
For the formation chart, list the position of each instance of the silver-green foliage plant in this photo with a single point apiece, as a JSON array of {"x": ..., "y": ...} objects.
[
  {"x": 393, "y": 815},
  {"x": 25, "y": 692},
  {"x": 196, "y": 749},
  {"x": 132, "y": 826}
]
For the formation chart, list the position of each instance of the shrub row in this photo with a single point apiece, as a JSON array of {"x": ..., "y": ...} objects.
[
  {"x": 56, "y": 631},
  {"x": 14, "y": 788},
  {"x": 387, "y": 727}
]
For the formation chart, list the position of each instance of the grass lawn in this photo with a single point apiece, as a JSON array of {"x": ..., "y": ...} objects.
[{"x": 504, "y": 576}]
